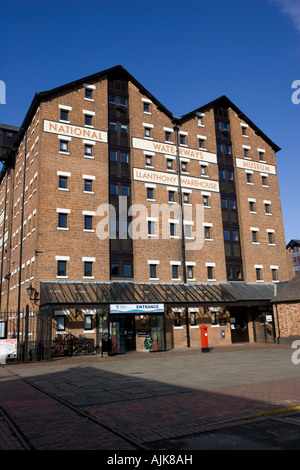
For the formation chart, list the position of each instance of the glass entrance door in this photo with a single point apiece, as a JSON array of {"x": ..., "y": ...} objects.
[
  {"x": 157, "y": 332},
  {"x": 122, "y": 333}
]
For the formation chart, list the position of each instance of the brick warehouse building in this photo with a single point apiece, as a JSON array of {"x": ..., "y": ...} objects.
[{"x": 209, "y": 175}]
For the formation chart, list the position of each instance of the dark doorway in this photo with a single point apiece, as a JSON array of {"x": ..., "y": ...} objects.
[
  {"x": 263, "y": 326},
  {"x": 239, "y": 325},
  {"x": 122, "y": 332}
]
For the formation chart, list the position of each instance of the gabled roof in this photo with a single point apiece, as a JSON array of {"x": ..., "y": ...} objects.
[
  {"x": 226, "y": 102},
  {"x": 293, "y": 243},
  {"x": 120, "y": 70}
]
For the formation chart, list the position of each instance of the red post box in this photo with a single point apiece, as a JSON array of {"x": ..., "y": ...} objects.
[{"x": 204, "y": 338}]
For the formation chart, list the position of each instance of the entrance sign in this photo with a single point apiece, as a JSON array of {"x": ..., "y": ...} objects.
[{"x": 137, "y": 308}]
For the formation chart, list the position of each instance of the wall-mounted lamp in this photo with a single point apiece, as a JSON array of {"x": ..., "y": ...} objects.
[{"x": 32, "y": 294}]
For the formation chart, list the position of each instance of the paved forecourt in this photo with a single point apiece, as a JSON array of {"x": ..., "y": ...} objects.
[{"x": 143, "y": 399}]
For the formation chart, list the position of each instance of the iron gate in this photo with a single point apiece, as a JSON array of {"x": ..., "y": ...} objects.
[{"x": 25, "y": 337}]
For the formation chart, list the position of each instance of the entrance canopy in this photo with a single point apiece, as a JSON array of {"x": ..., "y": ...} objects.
[{"x": 98, "y": 294}]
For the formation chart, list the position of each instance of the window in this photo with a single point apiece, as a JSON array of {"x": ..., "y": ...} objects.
[
  {"x": 203, "y": 170},
  {"x": 207, "y": 233},
  {"x": 127, "y": 270},
  {"x": 88, "y": 150},
  {"x": 184, "y": 167},
  {"x": 169, "y": 164},
  {"x": 62, "y": 220},
  {"x": 274, "y": 274},
  {"x": 210, "y": 272},
  {"x": 201, "y": 143},
  {"x": 174, "y": 271},
  {"x": 125, "y": 191},
  {"x": 226, "y": 235},
  {"x": 88, "y": 93},
  {"x": 113, "y": 156},
  {"x": 152, "y": 268},
  {"x": 148, "y": 160},
  {"x": 182, "y": 139},
  {"x": 190, "y": 272},
  {"x": 171, "y": 196},
  {"x": 186, "y": 198},
  {"x": 222, "y": 126},
  {"x": 63, "y": 146},
  {"x": 172, "y": 229},
  {"x": 64, "y": 115},
  {"x": 112, "y": 126},
  {"x": 235, "y": 236},
  {"x": 244, "y": 132},
  {"x": 88, "y": 322},
  {"x": 123, "y": 102},
  {"x": 113, "y": 189},
  {"x": 222, "y": 174},
  {"x": 61, "y": 322},
  {"x": 188, "y": 231},
  {"x": 271, "y": 238},
  {"x": 214, "y": 318},
  {"x": 61, "y": 268},
  {"x": 264, "y": 180},
  {"x": 177, "y": 319},
  {"x": 88, "y": 222},
  {"x": 193, "y": 318},
  {"x": 206, "y": 201},
  {"x": 249, "y": 177},
  {"x": 252, "y": 206},
  {"x": 146, "y": 107},
  {"x": 224, "y": 204},
  {"x": 200, "y": 121},
  {"x": 88, "y": 120},
  {"x": 254, "y": 236},
  {"x": 63, "y": 182},
  {"x": 151, "y": 228},
  {"x": 124, "y": 129},
  {"x": 268, "y": 208},
  {"x": 258, "y": 274},
  {"x": 261, "y": 156},
  {"x": 88, "y": 185},
  {"x": 114, "y": 269},
  {"x": 88, "y": 269},
  {"x": 168, "y": 136},
  {"x": 3, "y": 329},
  {"x": 147, "y": 132},
  {"x": 150, "y": 193}
]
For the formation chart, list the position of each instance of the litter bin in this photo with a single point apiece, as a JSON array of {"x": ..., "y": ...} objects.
[{"x": 106, "y": 344}]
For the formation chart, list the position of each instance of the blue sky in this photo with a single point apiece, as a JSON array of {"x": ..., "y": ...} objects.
[{"x": 186, "y": 53}]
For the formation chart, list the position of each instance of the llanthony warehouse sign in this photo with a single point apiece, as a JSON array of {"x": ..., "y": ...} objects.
[{"x": 165, "y": 178}]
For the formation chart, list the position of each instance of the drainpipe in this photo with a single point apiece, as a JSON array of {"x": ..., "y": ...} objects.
[
  {"x": 3, "y": 235},
  {"x": 21, "y": 237},
  {"x": 176, "y": 129},
  {"x": 277, "y": 316}
]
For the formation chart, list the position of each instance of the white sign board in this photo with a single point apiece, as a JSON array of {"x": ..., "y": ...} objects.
[{"x": 8, "y": 349}]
